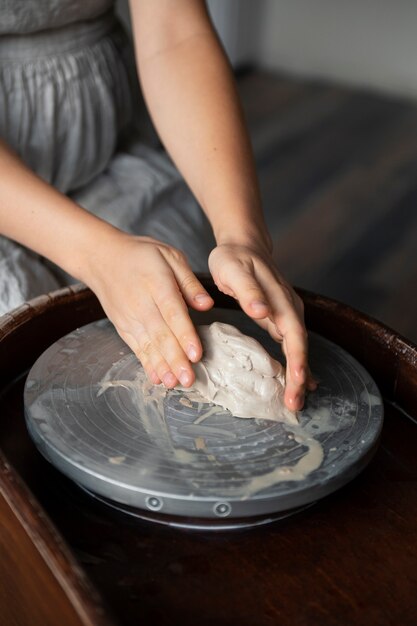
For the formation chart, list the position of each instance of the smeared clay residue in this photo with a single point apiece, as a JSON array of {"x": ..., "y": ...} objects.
[
  {"x": 310, "y": 461},
  {"x": 241, "y": 356}
]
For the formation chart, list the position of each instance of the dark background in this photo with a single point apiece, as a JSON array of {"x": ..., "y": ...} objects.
[{"x": 338, "y": 173}]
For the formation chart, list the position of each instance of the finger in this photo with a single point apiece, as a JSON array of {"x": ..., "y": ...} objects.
[
  {"x": 174, "y": 311},
  {"x": 246, "y": 288},
  {"x": 143, "y": 357},
  {"x": 289, "y": 324},
  {"x": 288, "y": 314},
  {"x": 191, "y": 288},
  {"x": 295, "y": 349},
  {"x": 147, "y": 352},
  {"x": 312, "y": 382},
  {"x": 295, "y": 390},
  {"x": 164, "y": 341},
  {"x": 268, "y": 325}
]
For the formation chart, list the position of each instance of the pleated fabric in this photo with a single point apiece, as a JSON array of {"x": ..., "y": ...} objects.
[{"x": 71, "y": 108}]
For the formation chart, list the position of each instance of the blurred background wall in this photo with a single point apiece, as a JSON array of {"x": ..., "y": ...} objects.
[{"x": 371, "y": 43}]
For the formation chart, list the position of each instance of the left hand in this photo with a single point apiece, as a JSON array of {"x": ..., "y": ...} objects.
[{"x": 249, "y": 275}]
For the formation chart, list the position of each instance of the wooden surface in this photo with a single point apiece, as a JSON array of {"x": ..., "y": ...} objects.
[
  {"x": 338, "y": 172},
  {"x": 41, "y": 583},
  {"x": 350, "y": 559},
  {"x": 34, "y": 591}
]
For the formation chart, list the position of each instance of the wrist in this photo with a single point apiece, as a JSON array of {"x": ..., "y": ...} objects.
[
  {"x": 255, "y": 237},
  {"x": 95, "y": 249}
]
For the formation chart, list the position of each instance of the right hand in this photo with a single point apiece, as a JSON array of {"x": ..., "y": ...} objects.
[
  {"x": 144, "y": 287},
  {"x": 248, "y": 274}
]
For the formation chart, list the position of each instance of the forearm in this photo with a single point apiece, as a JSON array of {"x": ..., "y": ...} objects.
[
  {"x": 191, "y": 94},
  {"x": 36, "y": 215}
]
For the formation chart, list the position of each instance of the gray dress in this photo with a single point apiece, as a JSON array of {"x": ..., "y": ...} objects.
[{"x": 71, "y": 108}]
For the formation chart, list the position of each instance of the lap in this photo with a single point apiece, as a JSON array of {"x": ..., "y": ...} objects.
[
  {"x": 23, "y": 275},
  {"x": 141, "y": 192}
]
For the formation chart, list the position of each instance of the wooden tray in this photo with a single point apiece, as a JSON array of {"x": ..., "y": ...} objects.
[{"x": 69, "y": 560}]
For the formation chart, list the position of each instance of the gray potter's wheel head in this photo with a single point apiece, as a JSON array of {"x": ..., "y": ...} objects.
[{"x": 91, "y": 412}]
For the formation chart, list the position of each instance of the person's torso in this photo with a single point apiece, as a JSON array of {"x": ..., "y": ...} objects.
[{"x": 65, "y": 86}]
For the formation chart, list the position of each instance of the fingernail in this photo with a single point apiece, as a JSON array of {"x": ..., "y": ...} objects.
[
  {"x": 154, "y": 378},
  {"x": 192, "y": 352},
  {"x": 202, "y": 297},
  {"x": 258, "y": 305},
  {"x": 169, "y": 379},
  {"x": 185, "y": 378}
]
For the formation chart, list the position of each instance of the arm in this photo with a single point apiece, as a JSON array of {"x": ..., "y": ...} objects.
[
  {"x": 189, "y": 88},
  {"x": 190, "y": 91},
  {"x": 138, "y": 280},
  {"x": 38, "y": 216}
]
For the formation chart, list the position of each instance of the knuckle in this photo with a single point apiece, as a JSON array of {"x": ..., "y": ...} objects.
[
  {"x": 189, "y": 282},
  {"x": 225, "y": 272},
  {"x": 173, "y": 311},
  {"x": 239, "y": 264},
  {"x": 222, "y": 286},
  {"x": 162, "y": 338},
  {"x": 146, "y": 348},
  {"x": 178, "y": 255},
  {"x": 252, "y": 291},
  {"x": 219, "y": 282},
  {"x": 291, "y": 326}
]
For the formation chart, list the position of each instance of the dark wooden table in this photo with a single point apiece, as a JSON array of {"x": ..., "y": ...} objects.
[{"x": 350, "y": 559}]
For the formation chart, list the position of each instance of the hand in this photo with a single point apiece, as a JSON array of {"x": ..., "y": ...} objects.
[
  {"x": 249, "y": 275},
  {"x": 144, "y": 287}
]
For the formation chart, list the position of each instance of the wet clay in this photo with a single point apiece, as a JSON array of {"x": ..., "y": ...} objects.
[{"x": 237, "y": 373}]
